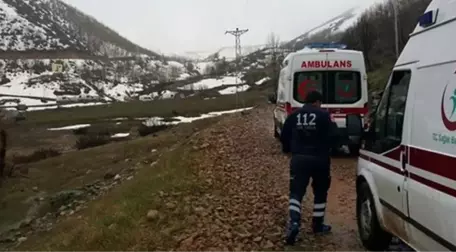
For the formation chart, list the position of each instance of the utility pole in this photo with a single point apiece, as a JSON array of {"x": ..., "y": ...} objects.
[
  {"x": 238, "y": 53},
  {"x": 396, "y": 29}
]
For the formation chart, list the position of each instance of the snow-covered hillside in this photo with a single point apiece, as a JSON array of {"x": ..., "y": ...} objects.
[
  {"x": 325, "y": 32},
  {"x": 32, "y": 26},
  {"x": 51, "y": 52},
  {"x": 227, "y": 52},
  {"x": 55, "y": 54},
  {"x": 85, "y": 80},
  {"x": 37, "y": 25},
  {"x": 329, "y": 30}
]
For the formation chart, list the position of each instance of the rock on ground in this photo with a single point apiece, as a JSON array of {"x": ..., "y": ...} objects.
[{"x": 249, "y": 176}]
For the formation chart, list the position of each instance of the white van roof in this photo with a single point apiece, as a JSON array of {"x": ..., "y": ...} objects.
[
  {"x": 434, "y": 35},
  {"x": 314, "y": 51}
]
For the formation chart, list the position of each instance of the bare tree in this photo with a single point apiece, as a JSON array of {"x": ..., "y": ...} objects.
[
  {"x": 190, "y": 67},
  {"x": 273, "y": 42},
  {"x": 2, "y": 152},
  {"x": 174, "y": 72},
  {"x": 366, "y": 37}
]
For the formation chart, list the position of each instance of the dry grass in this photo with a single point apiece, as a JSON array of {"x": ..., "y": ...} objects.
[
  {"x": 186, "y": 107},
  {"x": 35, "y": 156},
  {"x": 75, "y": 169},
  {"x": 118, "y": 220}
]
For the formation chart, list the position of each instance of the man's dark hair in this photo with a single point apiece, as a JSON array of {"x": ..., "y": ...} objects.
[{"x": 313, "y": 97}]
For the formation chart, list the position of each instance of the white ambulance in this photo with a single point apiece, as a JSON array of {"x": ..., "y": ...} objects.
[
  {"x": 339, "y": 74},
  {"x": 406, "y": 183}
]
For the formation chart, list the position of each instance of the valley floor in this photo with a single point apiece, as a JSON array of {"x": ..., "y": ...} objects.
[{"x": 215, "y": 184}]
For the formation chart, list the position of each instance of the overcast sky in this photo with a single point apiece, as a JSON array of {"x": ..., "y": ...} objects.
[{"x": 174, "y": 26}]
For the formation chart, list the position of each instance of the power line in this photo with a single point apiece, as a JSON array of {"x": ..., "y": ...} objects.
[
  {"x": 237, "y": 34},
  {"x": 396, "y": 31},
  {"x": 238, "y": 53}
]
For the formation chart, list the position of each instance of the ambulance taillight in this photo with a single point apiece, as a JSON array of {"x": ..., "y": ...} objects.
[{"x": 288, "y": 108}]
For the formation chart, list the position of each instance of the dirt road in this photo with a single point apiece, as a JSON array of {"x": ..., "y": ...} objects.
[
  {"x": 249, "y": 175},
  {"x": 216, "y": 185}
]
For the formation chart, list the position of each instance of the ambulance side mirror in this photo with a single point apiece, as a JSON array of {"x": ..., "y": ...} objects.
[
  {"x": 272, "y": 98},
  {"x": 354, "y": 125}
]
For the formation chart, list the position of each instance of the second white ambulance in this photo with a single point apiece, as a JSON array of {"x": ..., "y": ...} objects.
[
  {"x": 406, "y": 182},
  {"x": 339, "y": 74}
]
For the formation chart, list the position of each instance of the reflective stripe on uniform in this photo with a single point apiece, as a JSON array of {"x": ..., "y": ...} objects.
[
  {"x": 295, "y": 208},
  {"x": 319, "y": 214},
  {"x": 319, "y": 210},
  {"x": 295, "y": 202},
  {"x": 320, "y": 206}
]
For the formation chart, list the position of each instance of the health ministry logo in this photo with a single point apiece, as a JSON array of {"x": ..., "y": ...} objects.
[{"x": 448, "y": 118}]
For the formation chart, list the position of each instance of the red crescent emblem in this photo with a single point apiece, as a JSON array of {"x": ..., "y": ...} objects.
[
  {"x": 304, "y": 87},
  {"x": 451, "y": 126}
]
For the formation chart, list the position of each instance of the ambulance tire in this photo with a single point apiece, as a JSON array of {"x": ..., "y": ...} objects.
[
  {"x": 354, "y": 149},
  {"x": 376, "y": 239}
]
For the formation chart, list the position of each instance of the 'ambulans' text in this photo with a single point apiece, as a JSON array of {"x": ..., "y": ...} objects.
[{"x": 327, "y": 64}]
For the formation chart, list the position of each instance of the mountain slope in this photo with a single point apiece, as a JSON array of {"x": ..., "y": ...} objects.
[
  {"x": 331, "y": 30},
  {"x": 52, "y": 53},
  {"x": 227, "y": 52},
  {"x": 53, "y": 25}
]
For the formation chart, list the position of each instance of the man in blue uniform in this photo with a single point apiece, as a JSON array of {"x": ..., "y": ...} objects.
[{"x": 307, "y": 135}]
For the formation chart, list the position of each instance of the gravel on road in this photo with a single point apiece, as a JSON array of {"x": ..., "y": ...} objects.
[{"x": 249, "y": 176}]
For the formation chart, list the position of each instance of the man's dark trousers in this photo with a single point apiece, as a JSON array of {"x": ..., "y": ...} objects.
[{"x": 302, "y": 169}]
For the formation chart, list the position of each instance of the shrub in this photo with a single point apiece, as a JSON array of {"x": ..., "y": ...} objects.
[
  {"x": 93, "y": 130},
  {"x": 144, "y": 130},
  {"x": 4, "y": 80},
  {"x": 36, "y": 156},
  {"x": 101, "y": 131},
  {"x": 80, "y": 131},
  {"x": 90, "y": 141}
]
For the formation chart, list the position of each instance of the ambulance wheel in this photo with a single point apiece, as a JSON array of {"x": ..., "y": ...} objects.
[
  {"x": 354, "y": 149},
  {"x": 372, "y": 235}
]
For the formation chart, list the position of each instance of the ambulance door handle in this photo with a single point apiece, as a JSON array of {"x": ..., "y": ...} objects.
[{"x": 403, "y": 162}]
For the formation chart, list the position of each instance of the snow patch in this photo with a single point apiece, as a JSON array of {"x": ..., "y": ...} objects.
[
  {"x": 157, "y": 121},
  {"x": 71, "y": 127},
  {"x": 212, "y": 83},
  {"x": 232, "y": 90},
  {"x": 120, "y": 135},
  {"x": 260, "y": 82},
  {"x": 204, "y": 67}
]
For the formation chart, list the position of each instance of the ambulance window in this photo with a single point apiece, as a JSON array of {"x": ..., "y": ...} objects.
[
  {"x": 389, "y": 118},
  {"x": 337, "y": 87},
  {"x": 396, "y": 109},
  {"x": 306, "y": 82},
  {"x": 347, "y": 87},
  {"x": 380, "y": 119}
]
